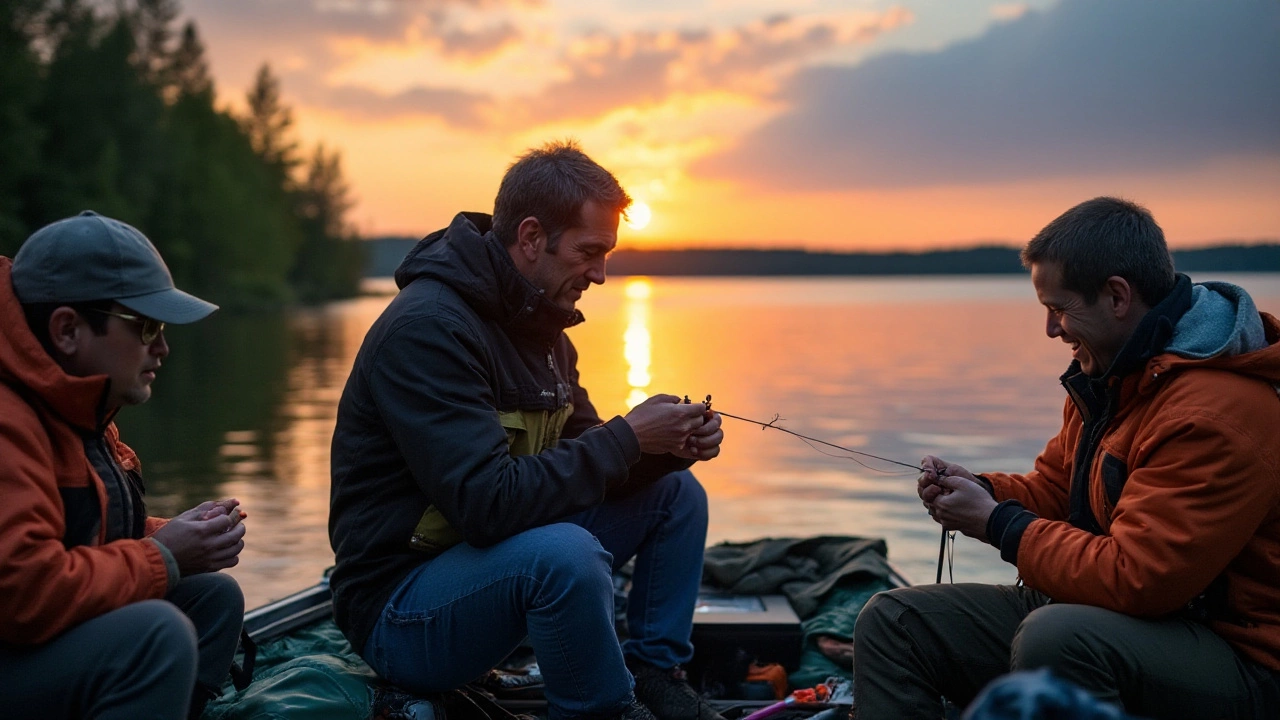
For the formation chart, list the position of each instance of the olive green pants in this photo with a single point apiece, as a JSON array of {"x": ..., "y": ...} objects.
[{"x": 914, "y": 646}]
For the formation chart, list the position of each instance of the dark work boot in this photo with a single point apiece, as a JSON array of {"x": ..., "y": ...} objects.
[
  {"x": 667, "y": 693},
  {"x": 635, "y": 711}
]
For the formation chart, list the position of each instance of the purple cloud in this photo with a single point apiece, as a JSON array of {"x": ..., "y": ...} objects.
[{"x": 1089, "y": 86}]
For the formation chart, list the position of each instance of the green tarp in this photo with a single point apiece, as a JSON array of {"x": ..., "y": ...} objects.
[{"x": 313, "y": 673}]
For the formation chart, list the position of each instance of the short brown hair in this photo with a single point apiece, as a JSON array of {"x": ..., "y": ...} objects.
[
  {"x": 1101, "y": 238},
  {"x": 552, "y": 183}
]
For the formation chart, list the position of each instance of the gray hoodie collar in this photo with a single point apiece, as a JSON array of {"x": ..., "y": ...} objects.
[{"x": 1222, "y": 321}]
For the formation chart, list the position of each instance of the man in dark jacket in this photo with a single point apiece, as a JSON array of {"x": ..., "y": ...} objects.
[
  {"x": 478, "y": 498},
  {"x": 104, "y": 612}
]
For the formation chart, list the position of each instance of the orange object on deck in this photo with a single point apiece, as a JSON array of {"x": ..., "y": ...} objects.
[{"x": 772, "y": 673}]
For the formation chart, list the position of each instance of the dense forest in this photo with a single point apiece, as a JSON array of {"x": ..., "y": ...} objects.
[{"x": 111, "y": 107}]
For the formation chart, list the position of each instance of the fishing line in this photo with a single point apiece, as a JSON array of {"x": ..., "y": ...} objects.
[
  {"x": 947, "y": 545},
  {"x": 773, "y": 425}
]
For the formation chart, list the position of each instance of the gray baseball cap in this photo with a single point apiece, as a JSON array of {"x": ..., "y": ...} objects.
[{"x": 91, "y": 257}]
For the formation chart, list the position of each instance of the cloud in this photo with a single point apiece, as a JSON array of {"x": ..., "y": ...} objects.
[
  {"x": 312, "y": 36},
  {"x": 455, "y": 107},
  {"x": 606, "y": 72},
  {"x": 1009, "y": 11},
  {"x": 1090, "y": 86},
  {"x": 603, "y": 72},
  {"x": 479, "y": 44}
]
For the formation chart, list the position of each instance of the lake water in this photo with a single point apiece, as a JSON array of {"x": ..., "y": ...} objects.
[{"x": 897, "y": 367}]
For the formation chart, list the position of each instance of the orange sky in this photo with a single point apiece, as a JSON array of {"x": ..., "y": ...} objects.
[{"x": 819, "y": 123}]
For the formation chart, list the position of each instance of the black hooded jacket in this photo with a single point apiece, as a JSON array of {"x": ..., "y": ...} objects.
[{"x": 467, "y": 341}]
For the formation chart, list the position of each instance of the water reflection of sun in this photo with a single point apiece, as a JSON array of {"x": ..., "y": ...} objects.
[
  {"x": 636, "y": 340},
  {"x": 639, "y": 215}
]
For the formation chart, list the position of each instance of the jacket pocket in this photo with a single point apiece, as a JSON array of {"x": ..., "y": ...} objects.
[{"x": 1114, "y": 475}]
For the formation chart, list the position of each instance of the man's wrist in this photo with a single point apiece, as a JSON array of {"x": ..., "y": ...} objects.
[
  {"x": 986, "y": 485},
  {"x": 628, "y": 442},
  {"x": 1005, "y": 526},
  {"x": 170, "y": 562}
]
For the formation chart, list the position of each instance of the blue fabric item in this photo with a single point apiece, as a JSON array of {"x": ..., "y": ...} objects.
[
  {"x": 664, "y": 527},
  {"x": 1222, "y": 321},
  {"x": 454, "y": 618},
  {"x": 1036, "y": 695}
]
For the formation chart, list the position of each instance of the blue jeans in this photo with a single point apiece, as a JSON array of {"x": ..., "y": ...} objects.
[{"x": 461, "y": 613}]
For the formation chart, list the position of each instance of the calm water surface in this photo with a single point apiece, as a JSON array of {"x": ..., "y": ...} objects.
[{"x": 898, "y": 367}]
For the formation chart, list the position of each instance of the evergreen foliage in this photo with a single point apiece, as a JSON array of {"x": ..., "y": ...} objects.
[{"x": 111, "y": 107}]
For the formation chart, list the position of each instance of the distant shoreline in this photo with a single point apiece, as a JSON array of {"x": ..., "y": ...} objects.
[{"x": 385, "y": 255}]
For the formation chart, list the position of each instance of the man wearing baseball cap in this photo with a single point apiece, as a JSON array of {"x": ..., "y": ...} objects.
[{"x": 104, "y": 612}]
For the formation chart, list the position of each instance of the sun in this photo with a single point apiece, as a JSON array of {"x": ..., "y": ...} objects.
[{"x": 638, "y": 215}]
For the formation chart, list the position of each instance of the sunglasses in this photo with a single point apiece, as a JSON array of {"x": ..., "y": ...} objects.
[{"x": 151, "y": 328}]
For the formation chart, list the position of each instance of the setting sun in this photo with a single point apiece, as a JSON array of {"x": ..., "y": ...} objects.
[{"x": 638, "y": 215}]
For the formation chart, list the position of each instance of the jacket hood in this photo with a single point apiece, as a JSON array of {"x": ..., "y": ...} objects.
[
  {"x": 27, "y": 367},
  {"x": 1224, "y": 330},
  {"x": 467, "y": 257},
  {"x": 1222, "y": 320}
]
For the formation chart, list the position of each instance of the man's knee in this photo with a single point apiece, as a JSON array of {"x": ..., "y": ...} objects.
[
  {"x": 689, "y": 489},
  {"x": 567, "y": 548},
  {"x": 683, "y": 495},
  {"x": 876, "y": 618},
  {"x": 213, "y": 601},
  {"x": 1051, "y": 634},
  {"x": 156, "y": 619},
  {"x": 214, "y": 590},
  {"x": 159, "y": 634},
  {"x": 225, "y": 590}
]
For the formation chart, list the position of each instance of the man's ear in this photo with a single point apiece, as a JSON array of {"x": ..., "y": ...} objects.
[
  {"x": 530, "y": 239},
  {"x": 65, "y": 328},
  {"x": 1118, "y": 294}
]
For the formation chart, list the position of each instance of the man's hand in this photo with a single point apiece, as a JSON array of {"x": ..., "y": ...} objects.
[
  {"x": 206, "y": 538},
  {"x": 663, "y": 424},
  {"x": 935, "y": 468},
  {"x": 704, "y": 442},
  {"x": 229, "y": 507},
  {"x": 963, "y": 505}
]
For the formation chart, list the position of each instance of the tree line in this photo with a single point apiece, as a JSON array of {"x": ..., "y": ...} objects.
[
  {"x": 113, "y": 109},
  {"x": 385, "y": 254}
]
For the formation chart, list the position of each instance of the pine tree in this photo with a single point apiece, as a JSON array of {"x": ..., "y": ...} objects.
[
  {"x": 20, "y": 134},
  {"x": 330, "y": 262},
  {"x": 268, "y": 124},
  {"x": 188, "y": 73},
  {"x": 151, "y": 21}
]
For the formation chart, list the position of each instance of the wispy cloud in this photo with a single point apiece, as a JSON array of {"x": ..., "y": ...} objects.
[
  {"x": 1090, "y": 86},
  {"x": 602, "y": 72},
  {"x": 315, "y": 36},
  {"x": 455, "y": 107},
  {"x": 1009, "y": 11}
]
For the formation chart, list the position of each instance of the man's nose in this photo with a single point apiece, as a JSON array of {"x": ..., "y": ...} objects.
[
  {"x": 1052, "y": 327},
  {"x": 160, "y": 346},
  {"x": 596, "y": 272}
]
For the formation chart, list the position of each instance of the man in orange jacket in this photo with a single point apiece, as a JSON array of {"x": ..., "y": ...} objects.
[
  {"x": 104, "y": 612},
  {"x": 1148, "y": 534}
]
